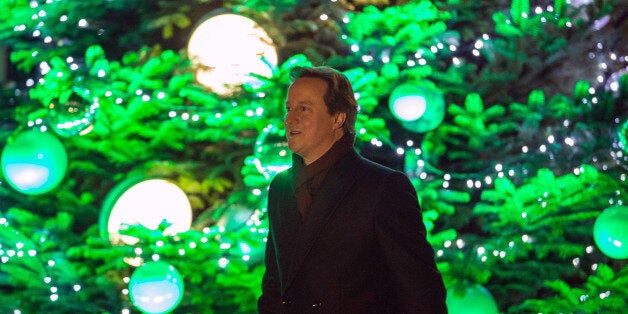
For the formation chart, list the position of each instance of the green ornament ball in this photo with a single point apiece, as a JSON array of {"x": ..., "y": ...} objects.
[
  {"x": 34, "y": 163},
  {"x": 610, "y": 232},
  {"x": 156, "y": 287},
  {"x": 407, "y": 102},
  {"x": 271, "y": 151},
  {"x": 419, "y": 107},
  {"x": 73, "y": 117},
  {"x": 472, "y": 300},
  {"x": 622, "y": 134}
]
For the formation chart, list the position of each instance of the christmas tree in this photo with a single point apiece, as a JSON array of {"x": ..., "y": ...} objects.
[{"x": 139, "y": 137}]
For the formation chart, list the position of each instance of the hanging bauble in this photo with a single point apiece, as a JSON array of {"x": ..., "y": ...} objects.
[
  {"x": 419, "y": 107},
  {"x": 472, "y": 300},
  {"x": 271, "y": 151},
  {"x": 156, "y": 287},
  {"x": 233, "y": 217},
  {"x": 148, "y": 203},
  {"x": 622, "y": 135},
  {"x": 610, "y": 232},
  {"x": 72, "y": 117},
  {"x": 35, "y": 162},
  {"x": 407, "y": 102},
  {"x": 227, "y": 48}
]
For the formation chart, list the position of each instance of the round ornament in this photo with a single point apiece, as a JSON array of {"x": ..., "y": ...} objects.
[
  {"x": 472, "y": 300},
  {"x": 419, "y": 107},
  {"x": 148, "y": 203},
  {"x": 34, "y": 163},
  {"x": 156, "y": 287},
  {"x": 73, "y": 117},
  {"x": 610, "y": 232},
  {"x": 622, "y": 135},
  {"x": 407, "y": 102},
  {"x": 227, "y": 48},
  {"x": 271, "y": 152}
]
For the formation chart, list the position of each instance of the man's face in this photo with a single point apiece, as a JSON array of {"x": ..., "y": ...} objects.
[{"x": 310, "y": 129}]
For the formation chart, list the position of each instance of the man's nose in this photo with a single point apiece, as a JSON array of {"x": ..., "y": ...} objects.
[{"x": 290, "y": 118}]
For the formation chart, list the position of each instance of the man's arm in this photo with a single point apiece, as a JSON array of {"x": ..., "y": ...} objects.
[
  {"x": 270, "y": 300},
  {"x": 417, "y": 284}
]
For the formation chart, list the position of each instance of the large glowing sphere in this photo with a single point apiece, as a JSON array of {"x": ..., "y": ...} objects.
[
  {"x": 418, "y": 107},
  {"x": 610, "y": 232},
  {"x": 156, "y": 287},
  {"x": 34, "y": 163},
  {"x": 148, "y": 203},
  {"x": 472, "y": 300},
  {"x": 407, "y": 102},
  {"x": 227, "y": 48}
]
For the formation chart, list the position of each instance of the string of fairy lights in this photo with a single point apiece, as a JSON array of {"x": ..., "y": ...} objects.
[{"x": 602, "y": 77}]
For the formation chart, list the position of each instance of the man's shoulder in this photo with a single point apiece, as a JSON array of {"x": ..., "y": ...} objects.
[
  {"x": 370, "y": 165},
  {"x": 283, "y": 177},
  {"x": 369, "y": 170}
]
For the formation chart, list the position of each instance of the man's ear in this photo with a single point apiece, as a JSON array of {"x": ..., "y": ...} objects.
[{"x": 339, "y": 120}]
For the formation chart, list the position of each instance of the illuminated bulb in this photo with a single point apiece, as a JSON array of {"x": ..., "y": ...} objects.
[
  {"x": 226, "y": 48},
  {"x": 148, "y": 203}
]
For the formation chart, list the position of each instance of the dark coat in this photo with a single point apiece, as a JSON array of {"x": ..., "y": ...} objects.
[{"x": 361, "y": 248}]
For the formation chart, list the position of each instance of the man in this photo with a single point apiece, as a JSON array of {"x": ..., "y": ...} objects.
[{"x": 345, "y": 234}]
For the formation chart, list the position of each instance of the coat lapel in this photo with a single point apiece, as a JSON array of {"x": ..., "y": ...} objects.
[{"x": 334, "y": 188}]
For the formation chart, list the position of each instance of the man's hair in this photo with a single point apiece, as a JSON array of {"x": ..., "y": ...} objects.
[{"x": 339, "y": 96}]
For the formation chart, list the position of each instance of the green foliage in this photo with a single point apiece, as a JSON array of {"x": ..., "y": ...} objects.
[
  {"x": 604, "y": 291},
  {"x": 39, "y": 267},
  {"x": 544, "y": 219},
  {"x": 474, "y": 131}
]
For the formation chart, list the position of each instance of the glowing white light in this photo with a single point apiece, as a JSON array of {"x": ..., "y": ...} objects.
[
  {"x": 409, "y": 108},
  {"x": 149, "y": 203},
  {"x": 569, "y": 141},
  {"x": 222, "y": 262},
  {"x": 227, "y": 48}
]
